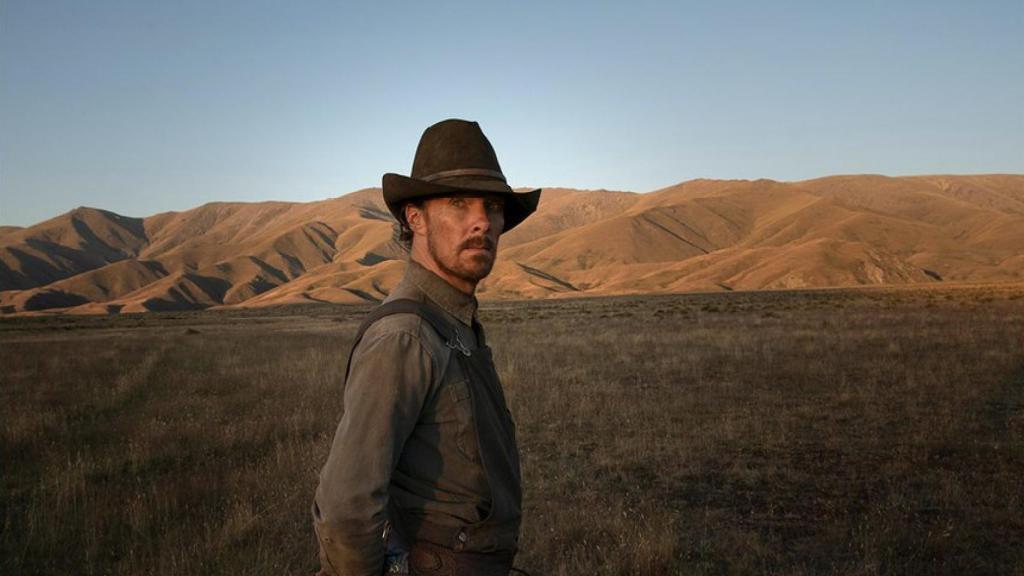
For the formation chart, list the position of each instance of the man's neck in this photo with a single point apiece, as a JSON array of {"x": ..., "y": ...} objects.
[{"x": 460, "y": 284}]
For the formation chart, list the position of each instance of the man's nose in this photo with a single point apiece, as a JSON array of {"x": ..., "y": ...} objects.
[{"x": 479, "y": 218}]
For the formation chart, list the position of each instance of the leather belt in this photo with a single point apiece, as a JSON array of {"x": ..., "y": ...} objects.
[
  {"x": 489, "y": 537},
  {"x": 429, "y": 559}
]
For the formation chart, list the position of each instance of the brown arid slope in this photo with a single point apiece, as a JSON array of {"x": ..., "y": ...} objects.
[
  {"x": 701, "y": 235},
  {"x": 81, "y": 240}
]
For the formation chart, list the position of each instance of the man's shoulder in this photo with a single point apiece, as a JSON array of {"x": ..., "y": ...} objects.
[
  {"x": 397, "y": 323},
  {"x": 406, "y": 326},
  {"x": 403, "y": 319}
]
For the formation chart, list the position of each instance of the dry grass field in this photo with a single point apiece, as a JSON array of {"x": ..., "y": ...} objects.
[{"x": 865, "y": 431}]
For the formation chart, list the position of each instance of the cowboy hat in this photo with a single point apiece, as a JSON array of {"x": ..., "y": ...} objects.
[{"x": 455, "y": 157}]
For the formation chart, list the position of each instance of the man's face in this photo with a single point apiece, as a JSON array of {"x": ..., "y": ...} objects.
[{"x": 462, "y": 233}]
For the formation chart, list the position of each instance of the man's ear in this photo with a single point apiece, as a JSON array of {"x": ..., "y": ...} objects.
[{"x": 414, "y": 217}]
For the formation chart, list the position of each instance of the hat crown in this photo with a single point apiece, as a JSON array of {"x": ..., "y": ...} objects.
[
  {"x": 454, "y": 157},
  {"x": 452, "y": 145}
]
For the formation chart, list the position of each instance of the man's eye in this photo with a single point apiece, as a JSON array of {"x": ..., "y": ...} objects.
[
  {"x": 457, "y": 202},
  {"x": 495, "y": 206}
]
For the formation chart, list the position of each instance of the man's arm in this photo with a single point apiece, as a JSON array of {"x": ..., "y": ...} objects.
[{"x": 390, "y": 377}]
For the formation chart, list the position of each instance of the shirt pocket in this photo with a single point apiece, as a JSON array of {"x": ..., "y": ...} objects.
[{"x": 462, "y": 402}]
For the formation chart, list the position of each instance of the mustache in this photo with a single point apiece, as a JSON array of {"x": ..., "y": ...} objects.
[{"x": 478, "y": 242}]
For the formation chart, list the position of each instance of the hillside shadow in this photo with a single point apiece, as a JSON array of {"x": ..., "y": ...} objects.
[{"x": 54, "y": 299}]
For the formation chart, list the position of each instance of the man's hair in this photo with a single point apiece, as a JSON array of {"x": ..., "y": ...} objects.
[{"x": 402, "y": 232}]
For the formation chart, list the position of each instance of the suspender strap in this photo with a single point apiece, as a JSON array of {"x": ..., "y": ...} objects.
[{"x": 428, "y": 312}]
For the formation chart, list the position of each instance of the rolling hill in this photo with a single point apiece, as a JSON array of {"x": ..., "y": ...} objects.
[{"x": 699, "y": 235}]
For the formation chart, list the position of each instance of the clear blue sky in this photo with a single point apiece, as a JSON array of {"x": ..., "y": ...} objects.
[{"x": 142, "y": 107}]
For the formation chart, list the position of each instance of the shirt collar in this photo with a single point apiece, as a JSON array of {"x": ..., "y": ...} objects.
[{"x": 452, "y": 300}]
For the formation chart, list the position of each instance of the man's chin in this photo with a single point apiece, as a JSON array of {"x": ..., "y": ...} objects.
[{"x": 477, "y": 268}]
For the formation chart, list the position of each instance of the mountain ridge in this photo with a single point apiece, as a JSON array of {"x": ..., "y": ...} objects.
[{"x": 696, "y": 235}]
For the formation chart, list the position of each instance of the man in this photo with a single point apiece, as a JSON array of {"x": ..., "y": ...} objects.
[{"x": 423, "y": 474}]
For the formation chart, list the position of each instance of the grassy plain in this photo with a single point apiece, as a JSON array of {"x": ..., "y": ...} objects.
[{"x": 874, "y": 431}]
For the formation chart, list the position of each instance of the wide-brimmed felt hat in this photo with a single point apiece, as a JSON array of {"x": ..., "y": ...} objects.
[{"x": 454, "y": 157}]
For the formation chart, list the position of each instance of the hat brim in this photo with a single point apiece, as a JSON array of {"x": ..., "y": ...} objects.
[{"x": 400, "y": 189}]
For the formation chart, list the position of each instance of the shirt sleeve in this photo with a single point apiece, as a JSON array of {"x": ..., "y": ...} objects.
[{"x": 390, "y": 377}]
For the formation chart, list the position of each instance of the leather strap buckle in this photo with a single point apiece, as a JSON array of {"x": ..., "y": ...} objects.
[{"x": 456, "y": 344}]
